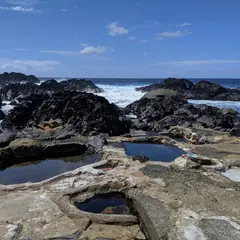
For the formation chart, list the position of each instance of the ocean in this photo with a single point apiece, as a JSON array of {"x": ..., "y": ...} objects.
[{"x": 121, "y": 91}]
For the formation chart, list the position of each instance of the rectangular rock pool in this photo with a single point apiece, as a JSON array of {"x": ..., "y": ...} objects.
[{"x": 40, "y": 170}]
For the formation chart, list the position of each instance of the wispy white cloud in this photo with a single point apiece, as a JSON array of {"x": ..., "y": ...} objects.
[
  {"x": 23, "y": 2},
  {"x": 115, "y": 30},
  {"x": 143, "y": 41},
  {"x": 132, "y": 38},
  {"x": 197, "y": 62},
  {"x": 27, "y": 65},
  {"x": 184, "y": 24},
  {"x": 60, "y": 52},
  {"x": 91, "y": 50},
  {"x": 17, "y": 9},
  {"x": 86, "y": 50},
  {"x": 174, "y": 34}
]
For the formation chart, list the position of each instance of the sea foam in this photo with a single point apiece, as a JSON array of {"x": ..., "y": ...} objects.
[{"x": 120, "y": 95}]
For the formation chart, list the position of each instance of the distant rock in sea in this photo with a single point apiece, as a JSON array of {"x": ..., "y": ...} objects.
[
  {"x": 203, "y": 90},
  {"x": 81, "y": 85},
  {"x": 16, "y": 91},
  {"x": 13, "y": 77}
]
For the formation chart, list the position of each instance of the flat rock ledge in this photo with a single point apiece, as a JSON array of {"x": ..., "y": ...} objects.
[{"x": 171, "y": 202}]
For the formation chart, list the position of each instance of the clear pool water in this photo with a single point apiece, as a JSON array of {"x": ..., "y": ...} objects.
[
  {"x": 110, "y": 203},
  {"x": 155, "y": 152},
  {"x": 41, "y": 170}
]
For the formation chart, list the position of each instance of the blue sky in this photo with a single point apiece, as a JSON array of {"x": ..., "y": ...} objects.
[{"x": 121, "y": 38}]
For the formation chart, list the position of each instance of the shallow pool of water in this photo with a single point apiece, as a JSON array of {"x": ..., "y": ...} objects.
[
  {"x": 155, "y": 152},
  {"x": 41, "y": 170},
  {"x": 233, "y": 174},
  {"x": 110, "y": 203}
]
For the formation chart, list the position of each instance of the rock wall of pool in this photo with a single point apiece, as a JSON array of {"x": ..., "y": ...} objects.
[
  {"x": 41, "y": 170},
  {"x": 154, "y": 152}
]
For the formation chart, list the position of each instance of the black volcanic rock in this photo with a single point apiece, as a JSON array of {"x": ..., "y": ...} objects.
[
  {"x": 15, "y": 90},
  {"x": 2, "y": 115},
  {"x": 85, "y": 112},
  {"x": 51, "y": 85},
  {"x": 203, "y": 90},
  {"x": 149, "y": 110},
  {"x": 22, "y": 113},
  {"x": 206, "y": 90},
  {"x": 81, "y": 85},
  {"x": 179, "y": 85},
  {"x": 235, "y": 131},
  {"x": 14, "y": 77},
  {"x": 166, "y": 111}
]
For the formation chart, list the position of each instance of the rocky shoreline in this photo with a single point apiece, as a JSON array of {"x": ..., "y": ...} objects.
[
  {"x": 185, "y": 199},
  {"x": 163, "y": 111},
  {"x": 203, "y": 90},
  {"x": 16, "y": 91}
]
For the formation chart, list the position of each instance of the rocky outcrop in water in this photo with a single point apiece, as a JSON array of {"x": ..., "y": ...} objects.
[
  {"x": 13, "y": 77},
  {"x": 179, "y": 85},
  {"x": 15, "y": 91},
  {"x": 203, "y": 90},
  {"x": 81, "y": 85},
  {"x": 85, "y": 112},
  {"x": 165, "y": 111},
  {"x": 51, "y": 85},
  {"x": 22, "y": 113},
  {"x": 73, "y": 84}
]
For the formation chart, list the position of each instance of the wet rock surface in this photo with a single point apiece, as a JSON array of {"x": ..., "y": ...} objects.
[
  {"x": 203, "y": 90},
  {"x": 6, "y": 138},
  {"x": 21, "y": 114},
  {"x": 18, "y": 90},
  {"x": 25, "y": 149},
  {"x": 166, "y": 111},
  {"x": 85, "y": 112},
  {"x": 64, "y": 149}
]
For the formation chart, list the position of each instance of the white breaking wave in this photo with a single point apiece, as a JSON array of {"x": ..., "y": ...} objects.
[
  {"x": 7, "y": 107},
  {"x": 219, "y": 104},
  {"x": 124, "y": 95},
  {"x": 120, "y": 95}
]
